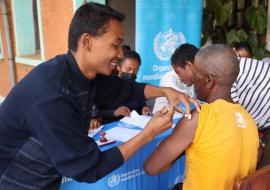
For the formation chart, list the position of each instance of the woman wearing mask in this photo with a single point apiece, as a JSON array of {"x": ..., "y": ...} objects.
[{"x": 112, "y": 111}]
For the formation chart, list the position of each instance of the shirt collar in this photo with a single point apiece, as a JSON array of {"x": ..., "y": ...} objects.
[{"x": 77, "y": 77}]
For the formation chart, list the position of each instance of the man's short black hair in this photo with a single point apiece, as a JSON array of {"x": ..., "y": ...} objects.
[
  {"x": 243, "y": 45},
  {"x": 184, "y": 53},
  {"x": 132, "y": 55},
  {"x": 125, "y": 47},
  {"x": 90, "y": 18}
]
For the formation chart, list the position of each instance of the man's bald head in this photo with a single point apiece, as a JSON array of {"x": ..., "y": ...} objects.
[{"x": 219, "y": 61}]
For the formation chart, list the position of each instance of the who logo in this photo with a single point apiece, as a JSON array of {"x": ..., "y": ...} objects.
[
  {"x": 165, "y": 44},
  {"x": 114, "y": 180}
]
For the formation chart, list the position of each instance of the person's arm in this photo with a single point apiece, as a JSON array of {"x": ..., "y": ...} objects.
[
  {"x": 112, "y": 88},
  {"x": 171, "y": 147},
  {"x": 160, "y": 122},
  {"x": 114, "y": 114},
  {"x": 58, "y": 125},
  {"x": 174, "y": 97},
  {"x": 107, "y": 114}
]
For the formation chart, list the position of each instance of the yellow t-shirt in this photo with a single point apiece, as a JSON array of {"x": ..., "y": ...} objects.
[{"x": 224, "y": 148}]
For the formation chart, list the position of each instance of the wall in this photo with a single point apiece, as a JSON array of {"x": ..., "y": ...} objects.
[
  {"x": 55, "y": 20},
  {"x": 127, "y": 8},
  {"x": 56, "y": 17}
]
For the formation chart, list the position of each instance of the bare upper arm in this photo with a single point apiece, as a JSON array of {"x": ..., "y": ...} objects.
[{"x": 172, "y": 146}]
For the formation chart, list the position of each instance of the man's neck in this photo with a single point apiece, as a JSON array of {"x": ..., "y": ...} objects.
[{"x": 219, "y": 93}]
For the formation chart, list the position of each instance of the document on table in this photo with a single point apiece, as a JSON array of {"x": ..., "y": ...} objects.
[
  {"x": 136, "y": 119},
  {"x": 121, "y": 134},
  {"x": 142, "y": 120}
]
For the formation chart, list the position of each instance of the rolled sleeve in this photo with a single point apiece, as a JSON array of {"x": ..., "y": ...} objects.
[{"x": 137, "y": 92}]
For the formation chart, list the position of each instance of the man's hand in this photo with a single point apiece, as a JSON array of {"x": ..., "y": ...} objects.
[
  {"x": 175, "y": 97},
  {"x": 121, "y": 111},
  {"x": 160, "y": 122},
  {"x": 146, "y": 110}
]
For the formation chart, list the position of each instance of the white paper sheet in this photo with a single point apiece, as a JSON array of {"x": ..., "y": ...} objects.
[
  {"x": 121, "y": 134},
  {"x": 136, "y": 119}
]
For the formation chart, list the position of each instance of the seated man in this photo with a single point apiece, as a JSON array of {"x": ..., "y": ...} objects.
[
  {"x": 251, "y": 90},
  {"x": 221, "y": 141},
  {"x": 111, "y": 111},
  {"x": 181, "y": 75}
]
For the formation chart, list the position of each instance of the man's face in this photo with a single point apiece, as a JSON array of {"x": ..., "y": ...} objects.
[
  {"x": 106, "y": 49},
  {"x": 185, "y": 74},
  {"x": 128, "y": 66}
]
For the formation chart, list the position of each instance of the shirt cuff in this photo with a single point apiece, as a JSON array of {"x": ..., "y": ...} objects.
[
  {"x": 114, "y": 158},
  {"x": 138, "y": 91}
]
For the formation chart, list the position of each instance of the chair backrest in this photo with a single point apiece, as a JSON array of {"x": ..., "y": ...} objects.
[{"x": 259, "y": 180}]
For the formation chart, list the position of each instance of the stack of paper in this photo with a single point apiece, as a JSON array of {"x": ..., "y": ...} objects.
[
  {"x": 136, "y": 119},
  {"x": 121, "y": 134}
]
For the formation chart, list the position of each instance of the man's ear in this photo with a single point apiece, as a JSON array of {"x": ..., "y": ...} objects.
[
  {"x": 236, "y": 52},
  {"x": 86, "y": 40},
  {"x": 189, "y": 65},
  {"x": 210, "y": 81}
]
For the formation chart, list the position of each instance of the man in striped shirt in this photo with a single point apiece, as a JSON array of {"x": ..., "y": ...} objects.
[{"x": 252, "y": 91}]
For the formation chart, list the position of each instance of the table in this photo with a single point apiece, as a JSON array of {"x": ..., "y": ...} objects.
[{"x": 131, "y": 176}]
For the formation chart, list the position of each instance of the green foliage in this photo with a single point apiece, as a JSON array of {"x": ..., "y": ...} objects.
[
  {"x": 216, "y": 26},
  {"x": 236, "y": 36},
  {"x": 257, "y": 18},
  {"x": 223, "y": 13}
]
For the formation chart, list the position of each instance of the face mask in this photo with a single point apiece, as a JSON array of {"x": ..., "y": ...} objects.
[{"x": 128, "y": 76}]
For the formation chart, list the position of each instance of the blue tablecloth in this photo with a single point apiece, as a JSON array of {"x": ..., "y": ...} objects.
[{"x": 131, "y": 176}]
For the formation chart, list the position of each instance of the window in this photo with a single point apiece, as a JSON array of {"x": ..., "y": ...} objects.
[
  {"x": 1, "y": 47},
  {"x": 28, "y": 31},
  {"x": 78, "y": 3}
]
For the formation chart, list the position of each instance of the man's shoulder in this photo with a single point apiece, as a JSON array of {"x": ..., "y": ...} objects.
[
  {"x": 54, "y": 66},
  {"x": 170, "y": 74},
  {"x": 48, "y": 71},
  {"x": 169, "y": 77},
  {"x": 250, "y": 65},
  {"x": 44, "y": 80}
]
